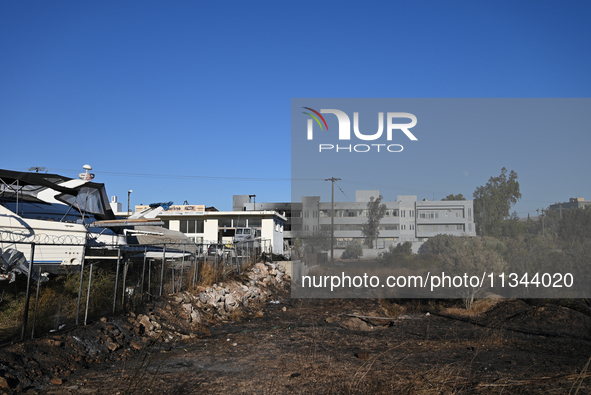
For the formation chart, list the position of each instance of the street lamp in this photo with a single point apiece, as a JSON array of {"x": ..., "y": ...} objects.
[{"x": 128, "y": 196}]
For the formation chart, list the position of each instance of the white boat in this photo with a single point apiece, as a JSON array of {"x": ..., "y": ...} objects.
[{"x": 63, "y": 217}]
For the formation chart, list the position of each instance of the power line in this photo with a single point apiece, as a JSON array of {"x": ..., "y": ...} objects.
[
  {"x": 344, "y": 193},
  {"x": 199, "y": 177}
]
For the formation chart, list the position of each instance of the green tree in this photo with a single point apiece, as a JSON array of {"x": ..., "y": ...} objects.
[
  {"x": 401, "y": 255},
  {"x": 318, "y": 242},
  {"x": 459, "y": 196},
  {"x": 493, "y": 201},
  {"x": 375, "y": 212},
  {"x": 574, "y": 228},
  {"x": 512, "y": 226},
  {"x": 352, "y": 251}
]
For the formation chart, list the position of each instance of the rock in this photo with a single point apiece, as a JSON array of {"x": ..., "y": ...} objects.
[
  {"x": 356, "y": 324},
  {"x": 145, "y": 321},
  {"x": 4, "y": 383},
  {"x": 363, "y": 355},
  {"x": 56, "y": 381},
  {"x": 230, "y": 302},
  {"x": 195, "y": 316},
  {"x": 137, "y": 345},
  {"x": 188, "y": 307},
  {"x": 284, "y": 308},
  {"x": 258, "y": 314},
  {"x": 184, "y": 315},
  {"x": 104, "y": 319},
  {"x": 112, "y": 345}
]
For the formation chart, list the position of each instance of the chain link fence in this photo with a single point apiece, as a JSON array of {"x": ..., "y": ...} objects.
[{"x": 109, "y": 280}]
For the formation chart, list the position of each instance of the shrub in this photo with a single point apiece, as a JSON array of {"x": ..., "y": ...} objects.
[{"x": 352, "y": 251}]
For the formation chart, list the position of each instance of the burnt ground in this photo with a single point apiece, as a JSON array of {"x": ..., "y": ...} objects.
[{"x": 320, "y": 347}]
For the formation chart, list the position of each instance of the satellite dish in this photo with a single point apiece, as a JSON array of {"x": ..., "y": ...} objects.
[{"x": 86, "y": 176}]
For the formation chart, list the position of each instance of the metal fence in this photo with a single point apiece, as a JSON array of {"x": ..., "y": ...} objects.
[{"x": 111, "y": 280}]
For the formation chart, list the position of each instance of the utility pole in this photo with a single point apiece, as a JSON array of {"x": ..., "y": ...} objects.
[
  {"x": 318, "y": 218},
  {"x": 332, "y": 179}
]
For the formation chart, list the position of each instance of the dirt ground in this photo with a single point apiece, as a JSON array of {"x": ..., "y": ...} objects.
[{"x": 305, "y": 346}]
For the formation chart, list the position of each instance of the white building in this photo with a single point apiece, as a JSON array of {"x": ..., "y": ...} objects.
[
  {"x": 406, "y": 218},
  {"x": 207, "y": 227}
]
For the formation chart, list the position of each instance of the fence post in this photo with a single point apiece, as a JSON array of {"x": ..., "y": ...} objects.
[
  {"x": 150, "y": 278},
  {"x": 36, "y": 304},
  {"x": 88, "y": 293},
  {"x": 80, "y": 286},
  {"x": 124, "y": 281},
  {"x": 172, "y": 273},
  {"x": 195, "y": 257},
  {"x": 26, "y": 315},
  {"x": 182, "y": 268},
  {"x": 116, "y": 280},
  {"x": 143, "y": 275},
  {"x": 162, "y": 270}
]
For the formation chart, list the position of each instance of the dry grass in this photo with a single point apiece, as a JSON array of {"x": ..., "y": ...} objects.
[{"x": 478, "y": 307}]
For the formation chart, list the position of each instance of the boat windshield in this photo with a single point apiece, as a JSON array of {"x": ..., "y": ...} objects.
[{"x": 87, "y": 199}]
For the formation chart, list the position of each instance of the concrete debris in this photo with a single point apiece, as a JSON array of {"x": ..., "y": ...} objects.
[
  {"x": 356, "y": 324},
  {"x": 163, "y": 321}
]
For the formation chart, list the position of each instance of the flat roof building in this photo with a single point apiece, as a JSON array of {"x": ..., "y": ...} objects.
[
  {"x": 572, "y": 203},
  {"x": 406, "y": 218},
  {"x": 205, "y": 226}
]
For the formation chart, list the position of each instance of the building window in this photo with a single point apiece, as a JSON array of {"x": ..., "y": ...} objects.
[
  {"x": 441, "y": 228},
  {"x": 224, "y": 223},
  {"x": 388, "y": 227},
  {"x": 191, "y": 226},
  {"x": 428, "y": 214},
  {"x": 254, "y": 223}
]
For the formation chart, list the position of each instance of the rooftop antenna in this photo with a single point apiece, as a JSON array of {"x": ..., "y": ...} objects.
[
  {"x": 37, "y": 169},
  {"x": 86, "y": 176}
]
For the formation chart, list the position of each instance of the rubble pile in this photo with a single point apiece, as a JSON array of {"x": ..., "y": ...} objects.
[
  {"x": 188, "y": 314},
  {"x": 179, "y": 317}
]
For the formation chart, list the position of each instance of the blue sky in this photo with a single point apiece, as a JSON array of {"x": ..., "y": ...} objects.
[{"x": 191, "y": 100}]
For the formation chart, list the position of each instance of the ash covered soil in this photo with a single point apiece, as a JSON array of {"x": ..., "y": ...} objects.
[{"x": 279, "y": 345}]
